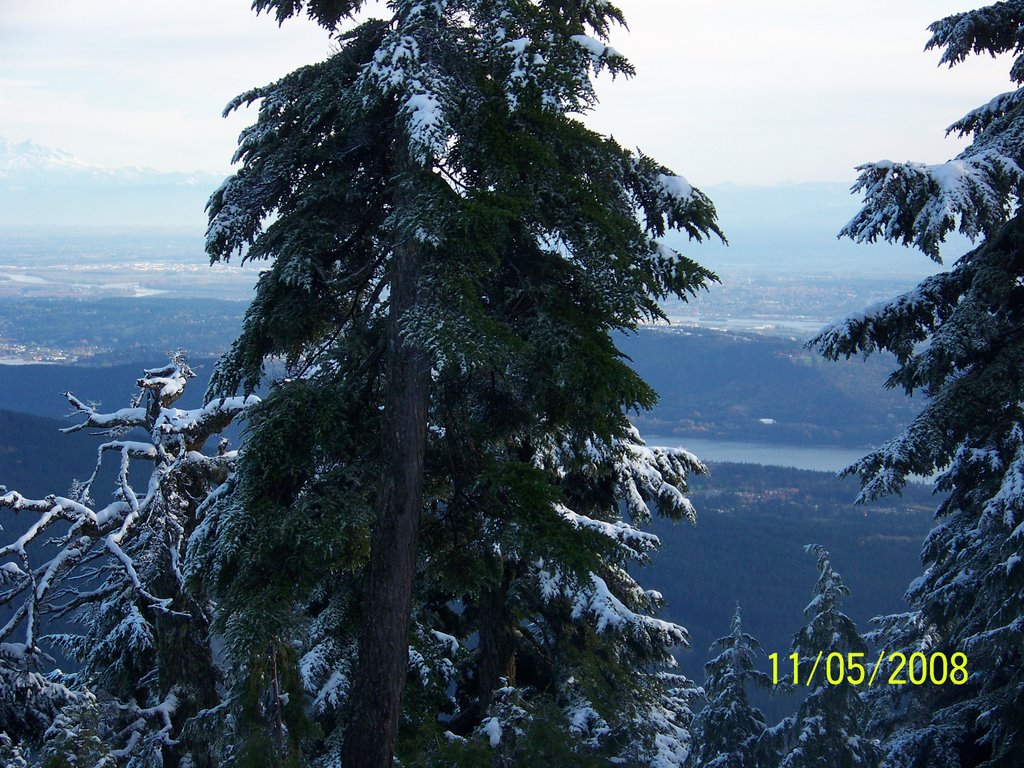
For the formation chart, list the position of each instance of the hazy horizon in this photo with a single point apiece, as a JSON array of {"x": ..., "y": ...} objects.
[{"x": 740, "y": 91}]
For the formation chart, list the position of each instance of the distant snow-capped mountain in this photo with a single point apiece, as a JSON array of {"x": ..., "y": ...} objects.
[
  {"x": 29, "y": 156},
  {"x": 42, "y": 186},
  {"x": 23, "y": 159}
]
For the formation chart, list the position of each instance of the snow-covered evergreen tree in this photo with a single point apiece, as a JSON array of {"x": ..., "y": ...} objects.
[
  {"x": 830, "y": 727},
  {"x": 727, "y": 732},
  {"x": 959, "y": 339},
  {"x": 11, "y": 753},
  {"x": 29, "y": 702},
  {"x": 115, "y": 570},
  {"x": 451, "y": 250}
]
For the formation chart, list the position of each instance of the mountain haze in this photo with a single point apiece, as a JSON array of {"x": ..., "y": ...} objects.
[
  {"x": 45, "y": 187},
  {"x": 785, "y": 227}
]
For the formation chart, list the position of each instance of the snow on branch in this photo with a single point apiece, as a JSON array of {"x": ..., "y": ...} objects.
[
  {"x": 125, "y": 418},
  {"x": 402, "y": 68},
  {"x": 978, "y": 120},
  {"x": 633, "y": 539},
  {"x": 646, "y": 474},
  {"x": 667, "y": 201},
  {"x": 611, "y": 614},
  {"x": 643, "y": 475},
  {"x": 917, "y": 204},
  {"x": 994, "y": 29},
  {"x": 119, "y": 534},
  {"x": 593, "y": 598},
  {"x": 166, "y": 384},
  {"x": 598, "y": 51},
  {"x": 200, "y": 423},
  {"x": 898, "y": 324}
]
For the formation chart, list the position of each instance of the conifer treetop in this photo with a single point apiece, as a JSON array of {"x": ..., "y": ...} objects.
[
  {"x": 830, "y": 726},
  {"x": 727, "y": 731}
]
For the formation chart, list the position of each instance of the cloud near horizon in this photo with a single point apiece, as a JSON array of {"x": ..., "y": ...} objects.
[{"x": 738, "y": 91}]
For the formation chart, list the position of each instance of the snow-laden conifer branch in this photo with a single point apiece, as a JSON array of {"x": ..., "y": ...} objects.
[
  {"x": 992, "y": 29},
  {"x": 997, "y": 110},
  {"x": 650, "y": 474},
  {"x": 979, "y": 190},
  {"x": 116, "y": 569},
  {"x": 149, "y": 728},
  {"x": 636, "y": 541},
  {"x": 596, "y": 601},
  {"x": 644, "y": 476},
  {"x": 917, "y": 204},
  {"x": 402, "y": 68},
  {"x": 668, "y": 201}
]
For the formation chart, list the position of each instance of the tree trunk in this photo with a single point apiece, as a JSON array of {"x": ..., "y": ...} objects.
[
  {"x": 186, "y": 667},
  {"x": 384, "y": 644},
  {"x": 496, "y": 666}
]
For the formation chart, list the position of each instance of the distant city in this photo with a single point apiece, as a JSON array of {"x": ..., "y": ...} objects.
[{"x": 59, "y": 274}]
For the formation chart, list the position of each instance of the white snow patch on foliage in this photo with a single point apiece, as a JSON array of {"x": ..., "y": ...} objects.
[
  {"x": 420, "y": 665},
  {"x": 332, "y": 694},
  {"x": 549, "y": 582},
  {"x": 595, "y": 47},
  {"x": 450, "y": 643},
  {"x": 609, "y": 613},
  {"x": 637, "y": 540},
  {"x": 492, "y": 729},
  {"x": 517, "y": 47},
  {"x": 676, "y": 187},
  {"x": 423, "y": 111}
]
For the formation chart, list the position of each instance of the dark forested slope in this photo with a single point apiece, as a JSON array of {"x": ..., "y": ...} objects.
[
  {"x": 753, "y": 520},
  {"x": 762, "y": 388},
  {"x": 37, "y": 459},
  {"x": 711, "y": 384}
]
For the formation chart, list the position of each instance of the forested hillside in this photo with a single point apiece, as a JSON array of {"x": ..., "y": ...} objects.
[
  {"x": 754, "y": 516},
  {"x": 36, "y": 458},
  {"x": 747, "y": 546},
  {"x": 764, "y": 389},
  {"x": 709, "y": 383}
]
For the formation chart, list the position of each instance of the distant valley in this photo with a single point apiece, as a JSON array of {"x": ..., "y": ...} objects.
[
  {"x": 714, "y": 386},
  {"x": 747, "y": 546},
  {"x": 98, "y": 305}
]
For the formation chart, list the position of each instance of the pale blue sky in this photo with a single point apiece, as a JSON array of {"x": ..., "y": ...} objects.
[{"x": 746, "y": 91}]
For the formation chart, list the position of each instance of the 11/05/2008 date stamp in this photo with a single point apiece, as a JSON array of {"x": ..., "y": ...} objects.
[{"x": 851, "y": 668}]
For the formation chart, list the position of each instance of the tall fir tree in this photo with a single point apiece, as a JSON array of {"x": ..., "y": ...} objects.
[
  {"x": 436, "y": 485},
  {"x": 831, "y": 726},
  {"x": 958, "y": 339},
  {"x": 727, "y": 732}
]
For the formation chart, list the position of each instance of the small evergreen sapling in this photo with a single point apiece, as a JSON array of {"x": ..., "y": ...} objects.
[
  {"x": 830, "y": 727},
  {"x": 727, "y": 732}
]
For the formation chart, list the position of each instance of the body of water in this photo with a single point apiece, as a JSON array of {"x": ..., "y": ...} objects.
[
  {"x": 821, "y": 458},
  {"x": 19, "y": 361}
]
